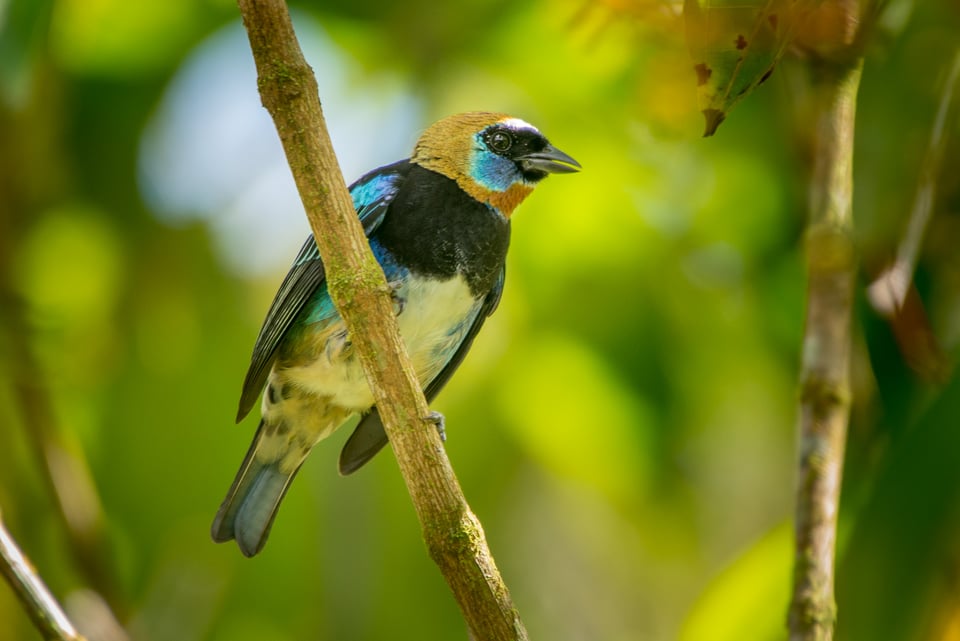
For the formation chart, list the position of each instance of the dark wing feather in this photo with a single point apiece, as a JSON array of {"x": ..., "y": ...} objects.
[
  {"x": 369, "y": 437},
  {"x": 372, "y": 195}
]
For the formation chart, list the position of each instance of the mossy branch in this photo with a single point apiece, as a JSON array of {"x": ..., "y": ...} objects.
[{"x": 358, "y": 288}]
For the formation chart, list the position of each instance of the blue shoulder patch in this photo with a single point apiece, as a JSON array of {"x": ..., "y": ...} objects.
[
  {"x": 305, "y": 284},
  {"x": 371, "y": 192}
]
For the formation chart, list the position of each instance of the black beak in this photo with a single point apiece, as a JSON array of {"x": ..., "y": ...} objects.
[{"x": 550, "y": 160}]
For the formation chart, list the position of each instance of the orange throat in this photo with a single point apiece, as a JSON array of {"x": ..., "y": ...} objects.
[{"x": 503, "y": 201}]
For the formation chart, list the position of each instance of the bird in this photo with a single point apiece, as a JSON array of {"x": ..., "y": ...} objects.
[{"x": 438, "y": 224}]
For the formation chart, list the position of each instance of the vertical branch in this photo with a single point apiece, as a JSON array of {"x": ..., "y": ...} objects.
[
  {"x": 358, "y": 288},
  {"x": 39, "y": 604},
  {"x": 824, "y": 380}
]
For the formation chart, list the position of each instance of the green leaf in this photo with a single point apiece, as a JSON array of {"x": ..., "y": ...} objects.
[{"x": 735, "y": 46}]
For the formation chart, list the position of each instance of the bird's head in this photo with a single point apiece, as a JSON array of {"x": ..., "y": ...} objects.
[{"x": 493, "y": 157}]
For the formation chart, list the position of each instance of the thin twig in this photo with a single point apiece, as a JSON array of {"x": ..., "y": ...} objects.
[
  {"x": 358, "y": 288},
  {"x": 888, "y": 292},
  {"x": 825, "y": 376},
  {"x": 39, "y": 604}
]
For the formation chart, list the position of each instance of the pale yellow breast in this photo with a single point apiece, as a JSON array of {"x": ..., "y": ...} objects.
[{"x": 436, "y": 315}]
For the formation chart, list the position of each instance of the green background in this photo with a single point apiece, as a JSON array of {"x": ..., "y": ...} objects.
[{"x": 624, "y": 426}]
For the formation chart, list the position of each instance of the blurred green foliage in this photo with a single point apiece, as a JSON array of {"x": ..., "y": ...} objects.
[{"x": 624, "y": 424}]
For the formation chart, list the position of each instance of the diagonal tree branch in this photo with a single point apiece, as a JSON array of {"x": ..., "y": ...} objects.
[
  {"x": 39, "y": 604},
  {"x": 888, "y": 292},
  {"x": 357, "y": 285},
  {"x": 893, "y": 294}
]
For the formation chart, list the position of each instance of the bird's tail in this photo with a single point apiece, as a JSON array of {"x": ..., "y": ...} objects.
[{"x": 247, "y": 512}]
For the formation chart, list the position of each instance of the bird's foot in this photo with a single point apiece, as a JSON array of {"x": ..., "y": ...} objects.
[
  {"x": 440, "y": 422},
  {"x": 399, "y": 302}
]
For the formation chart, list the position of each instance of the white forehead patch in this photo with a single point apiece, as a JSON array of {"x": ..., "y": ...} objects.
[{"x": 516, "y": 124}]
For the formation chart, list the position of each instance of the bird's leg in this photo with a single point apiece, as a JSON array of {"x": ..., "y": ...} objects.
[{"x": 440, "y": 422}]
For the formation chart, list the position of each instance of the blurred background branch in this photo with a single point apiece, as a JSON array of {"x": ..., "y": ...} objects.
[
  {"x": 893, "y": 293},
  {"x": 37, "y": 601},
  {"x": 64, "y": 468},
  {"x": 31, "y": 177},
  {"x": 888, "y": 291}
]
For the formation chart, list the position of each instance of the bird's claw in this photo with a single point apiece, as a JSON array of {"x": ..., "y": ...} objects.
[
  {"x": 399, "y": 302},
  {"x": 440, "y": 422}
]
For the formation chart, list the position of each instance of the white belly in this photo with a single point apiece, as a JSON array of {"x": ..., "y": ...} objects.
[{"x": 435, "y": 317}]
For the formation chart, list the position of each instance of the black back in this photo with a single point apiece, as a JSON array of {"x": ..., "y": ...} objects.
[{"x": 436, "y": 229}]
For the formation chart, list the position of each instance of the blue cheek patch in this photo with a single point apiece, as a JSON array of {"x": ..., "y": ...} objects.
[{"x": 491, "y": 171}]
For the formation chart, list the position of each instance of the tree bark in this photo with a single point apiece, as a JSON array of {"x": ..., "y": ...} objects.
[{"x": 453, "y": 534}]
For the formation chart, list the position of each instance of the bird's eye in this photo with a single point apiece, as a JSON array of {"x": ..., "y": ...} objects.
[{"x": 501, "y": 141}]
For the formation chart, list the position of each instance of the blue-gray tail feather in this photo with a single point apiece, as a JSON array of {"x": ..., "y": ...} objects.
[{"x": 250, "y": 506}]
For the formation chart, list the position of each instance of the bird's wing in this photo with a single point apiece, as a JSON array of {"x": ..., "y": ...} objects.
[
  {"x": 372, "y": 195},
  {"x": 369, "y": 437}
]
